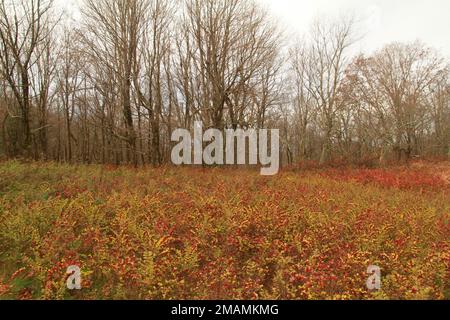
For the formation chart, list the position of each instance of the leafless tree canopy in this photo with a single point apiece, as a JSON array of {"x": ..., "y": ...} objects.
[{"x": 114, "y": 87}]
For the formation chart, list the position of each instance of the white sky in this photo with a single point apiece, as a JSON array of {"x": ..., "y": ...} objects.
[{"x": 381, "y": 21}]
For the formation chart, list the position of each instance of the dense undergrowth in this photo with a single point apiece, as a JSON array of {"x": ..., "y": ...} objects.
[{"x": 192, "y": 233}]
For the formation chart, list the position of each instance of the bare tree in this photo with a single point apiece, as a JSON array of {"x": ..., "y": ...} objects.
[
  {"x": 438, "y": 101},
  {"x": 69, "y": 83},
  {"x": 230, "y": 44},
  {"x": 112, "y": 89},
  {"x": 303, "y": 101},
  {"x": 151, "y": 74},
  {"x": 323, "y": 65},
  {"x": 24, "y": 30},
  {"x": 114, "y": 30},
  {"x": 393, "y": 88}
]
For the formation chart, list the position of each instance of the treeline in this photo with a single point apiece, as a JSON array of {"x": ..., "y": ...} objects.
[{"x": 113, "y": 86}]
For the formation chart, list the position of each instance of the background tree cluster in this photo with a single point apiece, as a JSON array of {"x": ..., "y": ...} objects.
[{"x": 112, "y": 87}]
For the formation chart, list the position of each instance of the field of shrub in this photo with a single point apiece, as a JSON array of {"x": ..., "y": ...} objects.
[{"x": 194, "y": 233}]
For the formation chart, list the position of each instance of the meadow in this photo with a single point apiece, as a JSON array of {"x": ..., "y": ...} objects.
[{"x": 217, "y": 233}]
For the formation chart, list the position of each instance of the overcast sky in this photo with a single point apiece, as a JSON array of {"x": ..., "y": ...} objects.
[{"x": 381, "y": 21}]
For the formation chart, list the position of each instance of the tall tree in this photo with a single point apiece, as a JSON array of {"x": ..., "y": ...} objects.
[
  {"x": 393, "y": 87},
  {"x": 25, "y": 27},
  {"x": 113, "y": 32},
  {"x": 326, "y": 64}
]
